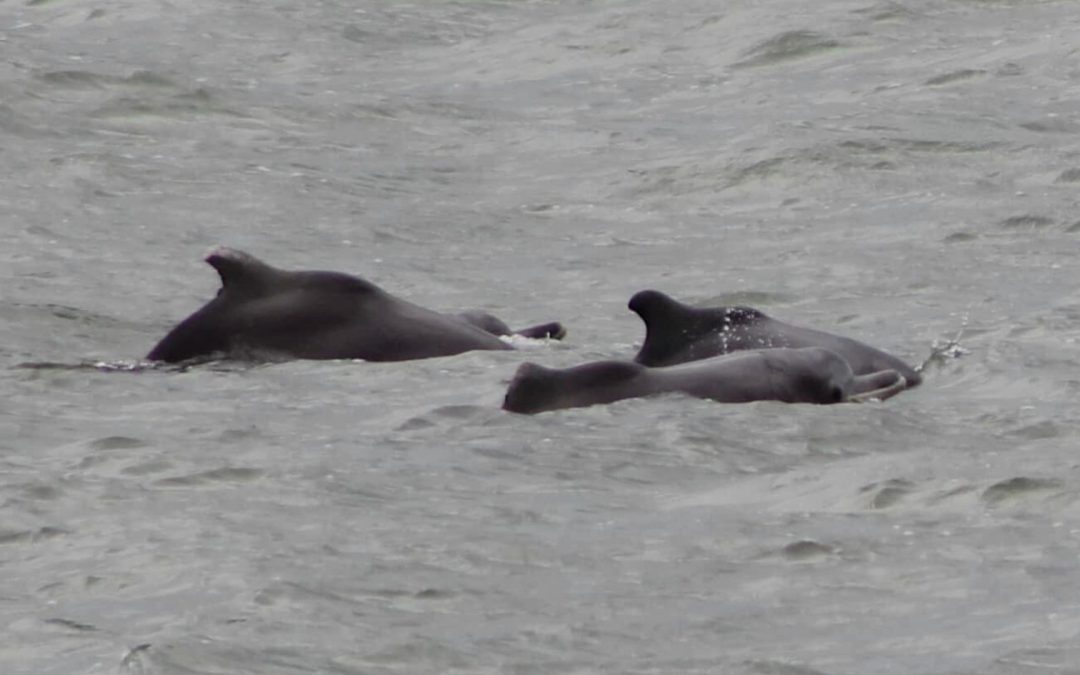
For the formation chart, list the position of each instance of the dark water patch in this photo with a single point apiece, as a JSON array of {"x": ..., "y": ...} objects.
[
  {"x": 232, "y": 435},
  {"x": 950, "y": 494},
  {"x": 770, "y": 667},
  {"x": 1051, "y": 125},
  {"x": 185, "y": 106},
  {"x": 72, "y": 79},
  {"x": 147, "y": 468},
  {"x": 886, "y": 11},
  {"x": 960, "y": 237},
  {"x": 888, "y": 493},
  {"x": 296, "y": 592},
  {"x": 84, "y": 79},
  {"x": 385, "y": 235},
  {"x": 864, "y": 146},
  {"x": 539, "y": 208},
  {"x": 434, "y": 594},
  {"x": 806, "y": 550},
  {"x": 954, "y": 76},
  {"x": 376, "y": 110},
  {"x": 1075, "y": 227},
  {"x": 757, "y": 171},
  {"x": 116, "y": 443},
  {"x": 136, "y": 661},
  {"x": 357, "y": 34},
  {"x": 1037, "y": 661},
  {"x": 787, "y": 46},
  {"x": 40, "y": 491},
  {"x": 1026, "y": 221},
  {"x": 959, "y": 147},
  {"x": 147, "y": 78},
  {"x": 420, "y": 650},
  {"x": 1019, "y": 489},
  {"x": 70, "y": 624},
  {"x": 30, "y": 536},
  {"x": 206, "y": 656},
  {"x": 409, "y": 183},
  {"x": 1010, "y": 70},
  {"x": 18, "y": 125},
  {"x": 1069, "y": 176},
  {"x": 226, "y": 474},
  {"x": 1038, "y": 431}
]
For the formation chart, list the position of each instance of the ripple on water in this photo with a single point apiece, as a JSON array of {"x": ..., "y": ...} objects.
[
  {"x": 806, "y": 550},
  {"x": 788, "y": 46},
  {"x": 225, "y": 474},
  {"x": 1069, "y": 176},
  {"x": 1026, "y": 221},
  {"x": 31, "y": 535},
  {"x": 1021, "y": 491},
  {"x": 955, "y": 76},
  {"x": 884, "y": 494},
  {"x": 449, "y": 415},
  {"x": 769, "y": 667}
]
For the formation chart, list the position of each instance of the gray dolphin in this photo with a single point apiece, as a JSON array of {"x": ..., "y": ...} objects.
[
  {"x": 677, "y": 333},
  {"x": 262, "y": 311},
  {"x": 806, "y": 375}
]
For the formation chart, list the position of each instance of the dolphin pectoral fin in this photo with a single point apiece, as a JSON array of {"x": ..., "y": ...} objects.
[
  {"x": 877, "y": 386},
  {"x": 551, "y": 331}
]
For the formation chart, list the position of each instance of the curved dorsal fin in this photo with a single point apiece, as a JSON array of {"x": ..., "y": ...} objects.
[
  {"x": 653, "y": 305},
  {"x": 672, "y": 328},
  {"x": 239, "y": 270}
]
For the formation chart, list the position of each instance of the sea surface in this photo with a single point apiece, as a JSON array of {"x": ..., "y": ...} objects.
[{"x": 903, "y": 172}]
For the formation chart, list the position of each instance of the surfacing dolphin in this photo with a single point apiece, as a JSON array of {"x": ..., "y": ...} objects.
[
  {"x": 678, "y": 333},
  {"x": 806, "y": 375},
  {"x": 262, "y": 311}
]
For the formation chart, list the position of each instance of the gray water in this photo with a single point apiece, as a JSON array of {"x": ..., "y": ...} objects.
[{"x": 905, "y": 173}]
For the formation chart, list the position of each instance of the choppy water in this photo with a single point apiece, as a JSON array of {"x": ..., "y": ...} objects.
[{"x": 903, "y": 172}]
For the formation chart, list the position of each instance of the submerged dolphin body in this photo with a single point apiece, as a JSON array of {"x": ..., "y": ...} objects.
[{"x": 806, "y": 375}]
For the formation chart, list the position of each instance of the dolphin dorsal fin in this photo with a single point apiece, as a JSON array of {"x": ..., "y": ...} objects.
[
  {"x": 239, "y": 270},
  {"x": 654, "y": 306},
  {"x": 668, "y": 326}
]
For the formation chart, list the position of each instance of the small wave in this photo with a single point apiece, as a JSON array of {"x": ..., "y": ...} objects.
[
  {"x": 1026, "y": 221},
  {"x": 954, "y": 76},
  {"x": 1069, "y": 176},
  {"x": 227, "y": 474},
  {"x": 887, "y": 493},
  {"x": 211, "y": 362},
  {"x": 788, "y": 46},
  {"x": 95, "y": 366},
  {"x": 948, "y": 349},
  {"x": 527, "y": 343},
  {"x": 806, "y": 550},
  {"x": 1019, "y": 489}
]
